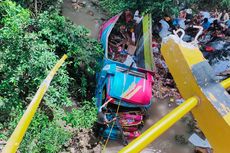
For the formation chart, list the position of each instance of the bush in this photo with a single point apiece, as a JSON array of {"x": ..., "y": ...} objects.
[
  {"x": 30, "y": 47},
  {"x": 38, "y": 6},
  {"x": 114, "y": 7},
  {"x": 88, "y": 110},
  {"x": 157, "y": 7}
]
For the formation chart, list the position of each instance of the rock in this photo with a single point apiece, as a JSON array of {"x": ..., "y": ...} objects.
[
  {"x": 90, "y": 13},
  {"x": 197, "y": 130},
  {"x": 2, "y": 142},
  {"x": 76, "y": 6},
  {"x": 72, "y": 150},
  {"x": 98, "y": 148},
  {"x": 84, "y": 3},
  {"x": 203, "y": 150},
  {"x": 95, "y": 2}
]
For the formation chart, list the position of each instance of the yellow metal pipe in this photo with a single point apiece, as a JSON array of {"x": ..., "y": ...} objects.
[
  {"x": 160, "y": 127},
  {"x": 19, "y": 132},
  {"x": 226, "y": 83}
]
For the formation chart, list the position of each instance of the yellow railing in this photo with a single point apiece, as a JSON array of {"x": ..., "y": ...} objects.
[
  {"x": 19, "y": 132},
  {"x": 226, "y": 83}
]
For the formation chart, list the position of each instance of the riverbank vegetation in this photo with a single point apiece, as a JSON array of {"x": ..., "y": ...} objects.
[
  {"x": 29, "y": 47},
  {"x": 159, "y": 7}
]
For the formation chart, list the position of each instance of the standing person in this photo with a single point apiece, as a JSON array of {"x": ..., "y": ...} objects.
[
  {"x": 213, "y": 17},
  {"x": 204, "y": 14},
  {"x": 228, "y": 23},
  {"x": 133, "y": 38},
  {"x": 128, "y": 16},
  {"x": 124, "y": 51},
  {"x": 189, "y": 15},
  {"x": 223, "y": 17},
  {"x": 182, "y": 19},
  {"x": 164, "y": 27},
  {"x": 137, "y": 17},
  {"x": 226, "y": 16},
  {"x": 206, "y": 24},
  {"x": 102, "y": 121}
]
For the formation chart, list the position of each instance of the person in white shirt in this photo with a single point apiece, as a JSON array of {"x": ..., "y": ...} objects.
[
  {"x": 205, "y": 14},
  {"x": 164, "y": 28},
  {"x": 137, "y": 17},
  {"x": 223, "y": 17}
]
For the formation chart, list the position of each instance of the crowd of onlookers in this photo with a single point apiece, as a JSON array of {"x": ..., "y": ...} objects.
[{"x": 216, "y": 22}]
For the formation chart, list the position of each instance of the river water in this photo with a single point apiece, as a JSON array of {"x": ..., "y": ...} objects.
[{"x": 89, "y": 16}]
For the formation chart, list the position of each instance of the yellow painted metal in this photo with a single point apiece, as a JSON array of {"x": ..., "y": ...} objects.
[
  {"x": 226, "y": 83},
  {"x": 180, "y": 58},
  {"x": 147, "y": 35},
  {"x": 19, "y": 132},
  {"x": 160, "y": 127}
]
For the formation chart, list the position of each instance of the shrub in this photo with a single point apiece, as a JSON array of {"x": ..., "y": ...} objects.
[
  {"x": 38, "y": 6},
  {"x": 29, "y": 48},
  {"x": 158, "y": 7},
  {"x": 88, "y": 110}
]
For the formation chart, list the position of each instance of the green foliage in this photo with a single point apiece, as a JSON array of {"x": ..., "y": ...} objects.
[
  {"x": 114, "y": 7},
  {"x": 41, "y": 4},
  {"x": 162, "y": 7},
  {"x": 43, "y": 135},
  {"x": 29, "y": 48},
  {"x": 225, "y": 3},
  {"x": 51, "y": 137},
  {"x": 65, "y": 37},
  {"x": 207, "y": 4},
  {"x": 158, "y": 7},
  {"x": 87, "y": 110}
]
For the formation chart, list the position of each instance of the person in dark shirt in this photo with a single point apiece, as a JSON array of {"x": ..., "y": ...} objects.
[
  {"x": 125, "y": 50},
  {"x": 102, "y": 121},
  {"x": 206, "y": 24}
]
